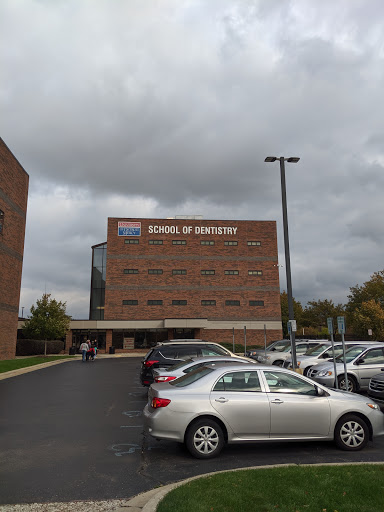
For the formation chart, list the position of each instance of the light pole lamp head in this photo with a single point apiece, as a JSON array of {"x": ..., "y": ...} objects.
[
  {"x": 293, "y": 159},
  {"x": 270, "y": 159}
]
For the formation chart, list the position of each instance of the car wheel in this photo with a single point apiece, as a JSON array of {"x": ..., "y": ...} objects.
[
  {"x": 278, "y": 363},
  {"x": 352, "y": 385},
  {"x": 351, "y": 433},
  {"x": 306, "y": 370},
  {"x": 204, "y": 439}
]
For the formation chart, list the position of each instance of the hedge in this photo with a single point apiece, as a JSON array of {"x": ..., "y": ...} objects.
[{"x": 36, "y": 347}]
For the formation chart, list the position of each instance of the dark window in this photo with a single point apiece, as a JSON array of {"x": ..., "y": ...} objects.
[
  {"x": 207, "y": 242},
  {"x": 230, "y": 242},
  {"x": 179, "y": 303},
  {"x": 255, "y": 272},
  {"x": 253, "y": 242},
  {"x": 238, "y": 381},
  {"x": 207, "y": 272},
  {"x": 131, "y": 241},
  {"x": 1, "y": 221},
  {"x": 155, "y": 242},
  {"x": 185, "y": 352},
  {"x": 208, "y": 303},
  {"x": 155, "y": 271},
  {"x": 154, "y": 302},
  {"x": 231, "y": 272},
  {"x": 131, "y": 271},
  {"x": 179, "y": 272},
  {"x": 130, "y": 302},
  {"x": 179, "y": 242},
  {"x": 232, "y": 303},
  {"x": 256, "y": 303}
]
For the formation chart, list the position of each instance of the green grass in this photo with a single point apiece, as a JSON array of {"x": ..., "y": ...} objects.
[
  {"x": 14, "y": 364},
  {"x": 351, "y": 488}
]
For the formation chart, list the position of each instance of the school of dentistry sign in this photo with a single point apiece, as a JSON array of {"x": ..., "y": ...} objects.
[{"x": 134, "y": 229}]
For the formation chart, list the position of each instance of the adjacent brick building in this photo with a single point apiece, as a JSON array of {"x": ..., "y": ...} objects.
[
  {"x": 157, "y": 279},
  {"x": 13, "y": 207}
]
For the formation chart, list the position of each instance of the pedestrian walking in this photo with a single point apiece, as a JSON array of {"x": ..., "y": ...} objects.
[{"x": 84, "y": 349}]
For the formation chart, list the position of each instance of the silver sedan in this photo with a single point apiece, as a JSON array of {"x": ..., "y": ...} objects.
[
  {"x": 180, "y": 369},
  {"x": 211, "y": 406}
]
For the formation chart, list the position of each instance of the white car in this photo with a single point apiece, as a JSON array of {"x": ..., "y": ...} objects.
[{"x": 277, "y": 358}]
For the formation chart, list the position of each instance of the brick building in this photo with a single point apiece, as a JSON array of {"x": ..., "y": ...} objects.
[
  {"x": 13, "y": 207},
  {"x": 157, "y": 279}
]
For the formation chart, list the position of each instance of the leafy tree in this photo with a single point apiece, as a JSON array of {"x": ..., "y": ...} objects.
[
  {"x": 48, "y": 320},
  {"x": 370, "y": 315},
  {"x": 372, "y": 289},
  {"x": 316, "y": 313},
  {"x": 297, "y": 312}
]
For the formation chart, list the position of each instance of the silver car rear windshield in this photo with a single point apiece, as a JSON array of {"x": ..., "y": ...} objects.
[
  {"x": 187, "y": 379},
  {"x": 317, "y": 349},
  {"x": 179, "y": 365}
]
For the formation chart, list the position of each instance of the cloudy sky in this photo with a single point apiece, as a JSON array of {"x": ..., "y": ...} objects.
[{"x": 155, "y": 108}]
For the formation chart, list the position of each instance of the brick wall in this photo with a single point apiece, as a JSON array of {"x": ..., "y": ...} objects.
[
  {"x": 13, "y": 202},
  {"x": 193, "y": 257}
]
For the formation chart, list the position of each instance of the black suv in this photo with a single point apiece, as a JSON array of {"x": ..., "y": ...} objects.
[{"x": 168, "y": 353}]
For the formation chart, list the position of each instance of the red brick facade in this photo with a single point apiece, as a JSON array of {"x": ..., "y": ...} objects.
[
  {"x": 241, "y": 261},
  {"x": 13, "y": 207}
]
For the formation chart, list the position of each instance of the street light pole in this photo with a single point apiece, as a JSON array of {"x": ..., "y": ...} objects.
[{"x": 286, "y": 247}]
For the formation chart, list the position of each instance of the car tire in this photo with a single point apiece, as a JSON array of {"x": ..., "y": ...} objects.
[
  {"x": 279, "y": 362},
  {"x": 204, "y": 439},
  {"x": 352, "y": 384},
  {"x": 351, "y": 433}
]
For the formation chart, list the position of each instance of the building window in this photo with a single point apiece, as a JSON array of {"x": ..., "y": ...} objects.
[
  {"x": 179, "y": 242},
  {"x": 155, "y": 271},
  {"x": 230, "y": 242},
  {"x": 131, "y": 241},
  {"x": 130, "y": 302},
  {"x": 231, "y": 272},
  {"x": 155, "y": 242},
  {"x": 179, "y": 303},
  {"x": 154, "y": 302},
  {"x": 232, "y": 303},
  {"x": 208, "y": 303},
  {"x": 1, "y": 221},
  {"x": 131, "y": 271},
  {"x": 255, "y": 272},
  {"x": 256, "y": 303},
  {"x": 207, "y": 272},
  {"x": 207, "y": 242},
  {"x": 253, "y": 242},
  {"x": 179, "y": 272}
]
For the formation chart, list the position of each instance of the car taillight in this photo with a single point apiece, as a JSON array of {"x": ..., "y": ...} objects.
[
  {"x": 163, "y": 378},
  {"x": 160, "y": 402},
  {"x": 149, "y": 363}
]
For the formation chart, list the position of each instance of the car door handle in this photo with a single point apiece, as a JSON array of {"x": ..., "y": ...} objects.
[
  {"x": 222, "y": 400},
  {"x": 277, "y": 401}
]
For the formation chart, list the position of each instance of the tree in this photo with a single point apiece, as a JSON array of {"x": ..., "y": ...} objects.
[
  {"x": 316, "y": 313},
  {"x": 48, "y": 320},
  {"x": 370, "y": 315},
  {"x": 297, "y": 312},
  {"x": 372, "y": 289}
]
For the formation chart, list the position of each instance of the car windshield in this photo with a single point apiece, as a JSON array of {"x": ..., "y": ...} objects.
[
  {"x": 188, "y": 378},
  {"x": 350, "y": 354},
  {"x": 317, "y": 349},
  {"x": 284, "y": 346},
  {"x": 213, "y": 350},
  {"x": 179, "y": 365}
]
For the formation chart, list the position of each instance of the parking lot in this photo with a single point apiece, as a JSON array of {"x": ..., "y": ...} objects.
[{"x": 74, "y": 432}]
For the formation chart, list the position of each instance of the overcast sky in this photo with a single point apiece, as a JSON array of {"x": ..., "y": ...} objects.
[{"x": 134, "y": 108}]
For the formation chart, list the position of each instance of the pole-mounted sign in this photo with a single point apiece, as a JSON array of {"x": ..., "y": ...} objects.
[{"x": 341, "y": 324}]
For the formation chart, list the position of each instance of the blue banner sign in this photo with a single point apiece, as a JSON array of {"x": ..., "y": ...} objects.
[{"x": 129, "y": 228}]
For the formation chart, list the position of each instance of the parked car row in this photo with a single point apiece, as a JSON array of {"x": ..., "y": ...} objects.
[{"x": 209, "y": 399}]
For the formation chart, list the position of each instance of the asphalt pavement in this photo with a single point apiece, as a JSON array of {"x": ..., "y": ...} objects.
[{"x": 73, "y": 432}]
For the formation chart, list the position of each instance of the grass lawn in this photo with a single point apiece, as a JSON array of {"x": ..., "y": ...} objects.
[
  {"x": 351, "y": 488},
  {"x": 15, "y": 364}
]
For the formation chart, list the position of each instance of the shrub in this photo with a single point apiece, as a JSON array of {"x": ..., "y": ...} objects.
[{"x": 36, "y": 347}]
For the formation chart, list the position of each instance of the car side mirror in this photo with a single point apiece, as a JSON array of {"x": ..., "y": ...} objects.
[
  {"x": 326, "y": 355},
  {"x": 360, "y": 361},
  {"x": 320, "y": 392}
]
